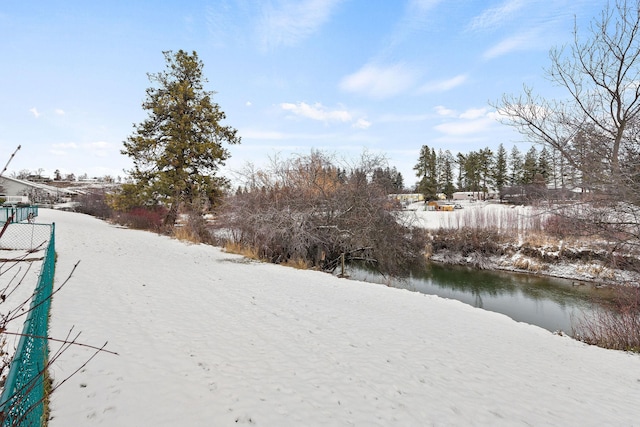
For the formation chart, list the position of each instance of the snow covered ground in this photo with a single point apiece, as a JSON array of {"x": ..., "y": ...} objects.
[
  {"x": 206, "y": 338},
  {"x": 512, "y": 217},
  {"x": 472, "y": 214}
]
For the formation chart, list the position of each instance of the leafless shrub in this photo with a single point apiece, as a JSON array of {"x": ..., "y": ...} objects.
[
  {"x": 94, "y": 203},
  {"x": 616, "y": 326},
  {"x": 193, "y": 228},
  {"x": 467, "y": 240},
  {"x": 142, "y": 218},
  {"x": 313, "y": 209}
]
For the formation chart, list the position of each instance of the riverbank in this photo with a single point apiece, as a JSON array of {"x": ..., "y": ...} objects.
[{"x": 523, "y": 251}]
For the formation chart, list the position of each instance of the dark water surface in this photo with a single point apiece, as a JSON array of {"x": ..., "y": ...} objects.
[{"x": 551, "y": 303}]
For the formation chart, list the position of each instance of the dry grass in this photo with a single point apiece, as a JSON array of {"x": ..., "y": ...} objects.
[
  {"x": 186, "y": 234},
  {"x": 528, "y": 264},
  {"x": 240, "y": 249},
  {"x": 540, "y": 239},
  {"x": 297, "y": 263},
  {"x": 597, "y": 270}
]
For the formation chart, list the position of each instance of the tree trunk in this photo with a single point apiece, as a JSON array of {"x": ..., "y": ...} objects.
[{"x": 172, "y": 215}]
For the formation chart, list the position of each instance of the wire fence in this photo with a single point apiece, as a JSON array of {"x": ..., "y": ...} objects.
[
  {"x": 22, "y": 400},
  {"x": 18, "y": 213},
  {"x": 24, "y": 236}
]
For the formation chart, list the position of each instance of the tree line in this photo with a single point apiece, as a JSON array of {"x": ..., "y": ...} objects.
[{"x": 508, "y": 173}]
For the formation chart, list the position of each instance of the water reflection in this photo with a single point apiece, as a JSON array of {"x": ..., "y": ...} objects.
[{"x": 554, "y": 304}]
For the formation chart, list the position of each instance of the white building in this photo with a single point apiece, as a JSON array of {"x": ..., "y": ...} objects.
[{"x": 20, "y": 191}]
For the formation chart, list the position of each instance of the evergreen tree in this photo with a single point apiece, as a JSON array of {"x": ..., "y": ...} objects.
[
  {"x": 500, "y": 170},
  {"x": 516, "y": 162},
  {"x": 530, "y": 166},
  {"x": 389, "y": 179},
  {"x": 544, "y": 165},
  {"x": 471, "y": 170},
  {"x": 446, "y": 174},
  {"x": 460, "y": 161},
  {"x": 426, "y": 170},
  {"x": 398, "y": 182},
  {"x": 178, "y": 149},
  {"x": 485, "y": 164}
]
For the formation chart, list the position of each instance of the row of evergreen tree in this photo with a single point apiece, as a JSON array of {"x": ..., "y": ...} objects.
[{"x": 486, "y": 171}]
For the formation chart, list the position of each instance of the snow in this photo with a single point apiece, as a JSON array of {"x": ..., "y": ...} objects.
[
  {"x": 471, "y": 214},
  {"x": 207, "y": 338},
  {"x": 522, "y": 218}
]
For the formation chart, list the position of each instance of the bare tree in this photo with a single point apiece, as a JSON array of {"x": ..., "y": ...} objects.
[
  {"x": 316, "y": 210},
  {"x": 601, "y": 75},
  {"x": 596, "y": 128}
]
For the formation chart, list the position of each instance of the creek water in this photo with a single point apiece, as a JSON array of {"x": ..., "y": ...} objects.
[{"x": 551, "y": 303}]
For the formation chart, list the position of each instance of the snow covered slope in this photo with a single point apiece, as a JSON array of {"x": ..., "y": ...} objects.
[{"x": 208, "y": 339}]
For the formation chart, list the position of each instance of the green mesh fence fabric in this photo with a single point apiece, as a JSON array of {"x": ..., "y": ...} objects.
[
  {"x": 22, "y": 401},
  {"x": 20, "y": 214}
]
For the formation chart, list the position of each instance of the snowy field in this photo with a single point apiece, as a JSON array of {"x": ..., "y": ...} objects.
[
  {"x": 472, "y": 214},
  {"x": 206, "y": 338}
]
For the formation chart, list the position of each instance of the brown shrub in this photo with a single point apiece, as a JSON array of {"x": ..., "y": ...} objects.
[
  {"x": 142, "y": 218},
  {"x": 467, "y": 240},
  {"x": 616, "y": 325},
  {"x": 193, "y": 229}
]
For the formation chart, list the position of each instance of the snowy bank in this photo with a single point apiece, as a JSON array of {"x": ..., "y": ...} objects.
[
  {"x": 207, "y": 338},
  {"x": 580, "y": 263}
]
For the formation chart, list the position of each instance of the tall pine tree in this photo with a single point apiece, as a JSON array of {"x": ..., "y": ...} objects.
[
  {"x": 500, "y": 170},
  {"x": 426, "y": 170},
  {"x": 178, "y": 149}
]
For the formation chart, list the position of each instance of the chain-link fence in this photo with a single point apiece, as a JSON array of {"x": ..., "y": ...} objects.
[
  {"x": 18, "y": 214},
  {"x": 22, "y": 400},
  {"x": 24, "y": 236}
]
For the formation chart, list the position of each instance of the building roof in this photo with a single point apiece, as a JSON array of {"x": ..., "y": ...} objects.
[{"x": 39, "y": 186}]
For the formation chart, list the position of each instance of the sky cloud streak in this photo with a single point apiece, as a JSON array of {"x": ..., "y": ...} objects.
[
  {"x": 289, "y": 22},
  {"x": 495, "y": 16},
  {"x": 380, "y": 81},
  {"x": 444, "y": 85}
]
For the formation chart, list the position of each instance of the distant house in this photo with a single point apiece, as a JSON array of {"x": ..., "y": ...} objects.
[
  {"x": 18, "y": 190},
  {"x": 464, "y": 195},
  {"x": 434, "y": 205},
  {"x": 408, "y": 197}
]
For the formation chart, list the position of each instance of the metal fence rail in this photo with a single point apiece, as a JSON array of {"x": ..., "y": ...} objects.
[
  {"x": 19, "y": 213},
  {"x": 22, "y": 401}
]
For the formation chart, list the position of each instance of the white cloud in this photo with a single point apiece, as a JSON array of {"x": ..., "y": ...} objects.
[
  {"x": 362, "y": 124},
  {"x": 444, "y": 85},
  {"x": 513, "y": 43},
  {"x": 35, "y": 112},
  {"x": 379, "y": 82},
  {"x": 444, "y": 111},
  {"x": 495, "y": 16},
  {"x": 248, "y": 104},
  {"x": 317, "y": 112},
  {"x": 471, "y": 121},
  {"x": 59, "y": 112},
  {"x": 291, "y": 21},
  {"x": 65, "y": 145},
  {"x": 474, "y": 113},
  {"x": 99, "y": 144},
  {"x": 465, "y": 127},
  {"x": 404, "y": 118}
]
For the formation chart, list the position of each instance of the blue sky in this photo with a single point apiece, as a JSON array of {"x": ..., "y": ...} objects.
[{"x": 341, "y": 76}]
